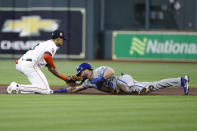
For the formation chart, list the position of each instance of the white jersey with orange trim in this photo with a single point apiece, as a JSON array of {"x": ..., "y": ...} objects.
[
  {"x": 31, "y": 62},
  {"x": 37, "y": 52}
]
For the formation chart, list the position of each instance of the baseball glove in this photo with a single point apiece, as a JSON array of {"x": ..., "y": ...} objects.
[{"x": 74, "y": 80}]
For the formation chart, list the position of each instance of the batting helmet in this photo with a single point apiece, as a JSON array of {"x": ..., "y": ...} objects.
[{"x": 82, "y": 67}]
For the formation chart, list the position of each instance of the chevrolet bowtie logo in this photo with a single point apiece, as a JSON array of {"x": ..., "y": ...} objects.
[{"x": 30, "y": 26}]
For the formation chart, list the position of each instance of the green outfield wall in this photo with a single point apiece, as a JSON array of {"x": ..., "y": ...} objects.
[{"x": 154, "y": 45}]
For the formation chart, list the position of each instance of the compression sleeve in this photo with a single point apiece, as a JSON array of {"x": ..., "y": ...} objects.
[{"x": 49, "y": 60}]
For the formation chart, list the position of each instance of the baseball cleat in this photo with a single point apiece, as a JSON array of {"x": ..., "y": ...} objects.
[
  {"x": 143, "y": 91},
  {"x": 185, "y": 84},
  {"x": 12, "y": 87}
]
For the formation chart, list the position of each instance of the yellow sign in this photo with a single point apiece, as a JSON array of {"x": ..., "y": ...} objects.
[
  {"x": 30, "y": 26},
  {"x": 138, "y": 46}
]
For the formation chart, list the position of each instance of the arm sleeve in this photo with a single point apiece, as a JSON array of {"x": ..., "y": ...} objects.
[{"x": 49, "y": 60}]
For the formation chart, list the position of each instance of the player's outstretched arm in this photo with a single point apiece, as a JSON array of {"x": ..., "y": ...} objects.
[
  {"x": 52, "y": 67},
  {"x": 75, "y": 89},
  {"x": 56, "y": 72},
  {"x": 70, "y": 89}
]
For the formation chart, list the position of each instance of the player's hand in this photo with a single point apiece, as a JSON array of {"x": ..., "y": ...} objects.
[{"x": 73, "y": 78}]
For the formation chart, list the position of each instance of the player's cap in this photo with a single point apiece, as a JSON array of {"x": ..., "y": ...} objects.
[
  {"x": 57, "y": 34},
  {"x": 82, "y": 67}
]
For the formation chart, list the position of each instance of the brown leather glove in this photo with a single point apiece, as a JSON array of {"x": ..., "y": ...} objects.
[{"x": 74, "y": 80}]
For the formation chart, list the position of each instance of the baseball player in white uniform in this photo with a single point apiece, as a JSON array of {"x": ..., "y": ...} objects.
[
  {"x": 33, "y": 60},
  {"x": 102, "y": 78}
]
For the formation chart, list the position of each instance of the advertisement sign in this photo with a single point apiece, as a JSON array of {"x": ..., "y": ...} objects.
[
  {"x": 154, "y": 45},
  {"x": 23, "y": 28}
]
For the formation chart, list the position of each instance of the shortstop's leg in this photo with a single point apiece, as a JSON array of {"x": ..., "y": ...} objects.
[{"x": 39, "y": 82}]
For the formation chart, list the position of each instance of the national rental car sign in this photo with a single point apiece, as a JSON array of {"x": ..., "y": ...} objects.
[
  {"x": 152, "y": 45},
  {"x": 23, "y": 28}
]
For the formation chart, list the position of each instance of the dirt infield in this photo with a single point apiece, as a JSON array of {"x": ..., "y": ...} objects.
[{"x": 167, "y": 91}]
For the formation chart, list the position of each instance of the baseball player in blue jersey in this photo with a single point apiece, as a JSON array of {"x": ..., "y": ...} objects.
[{"x": 103, "y": 78}]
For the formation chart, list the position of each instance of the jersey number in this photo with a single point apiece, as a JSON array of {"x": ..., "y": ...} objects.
[{"x": 109, "y": 84}]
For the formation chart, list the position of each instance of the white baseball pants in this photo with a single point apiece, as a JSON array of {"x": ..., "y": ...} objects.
[{"x": 34, "y": 75}]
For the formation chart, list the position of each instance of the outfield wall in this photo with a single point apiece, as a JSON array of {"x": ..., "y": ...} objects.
[
  {"x": 24, "y": 23},
  {"x": 24, "y": 28},
  {"x": 88, "y": 24},
  {"x": 131, "y": 45}
]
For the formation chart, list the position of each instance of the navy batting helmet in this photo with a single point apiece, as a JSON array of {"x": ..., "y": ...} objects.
[
  {"x": 58, "y": 34},
  {"x": 82, "y": 67}
]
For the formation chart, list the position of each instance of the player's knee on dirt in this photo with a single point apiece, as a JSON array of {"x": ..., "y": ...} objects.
[
  {"x": 47, "y": 92},
  {"x": 126, "y": 90},
  {"x": 125, "y": 82},
  {"x": 123, "y": 87}
]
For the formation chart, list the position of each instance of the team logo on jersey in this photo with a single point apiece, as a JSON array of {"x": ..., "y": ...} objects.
[
  {"x": 30, "y": 26},
  {"x": 138, "y": 46}
]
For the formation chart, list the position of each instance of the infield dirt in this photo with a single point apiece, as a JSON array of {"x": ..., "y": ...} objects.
[{"x": 166, "y": 91}]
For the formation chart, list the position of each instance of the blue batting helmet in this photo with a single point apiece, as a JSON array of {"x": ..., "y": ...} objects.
[{"x": 82, "y": 67}]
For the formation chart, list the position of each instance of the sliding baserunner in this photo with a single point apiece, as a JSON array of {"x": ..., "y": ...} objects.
[{"x": 103, "y": 78}]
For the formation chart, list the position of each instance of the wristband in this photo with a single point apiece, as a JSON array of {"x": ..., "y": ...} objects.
[
  {"x": 63, "y": 77},
  {"x": 62, "y": 90}
]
